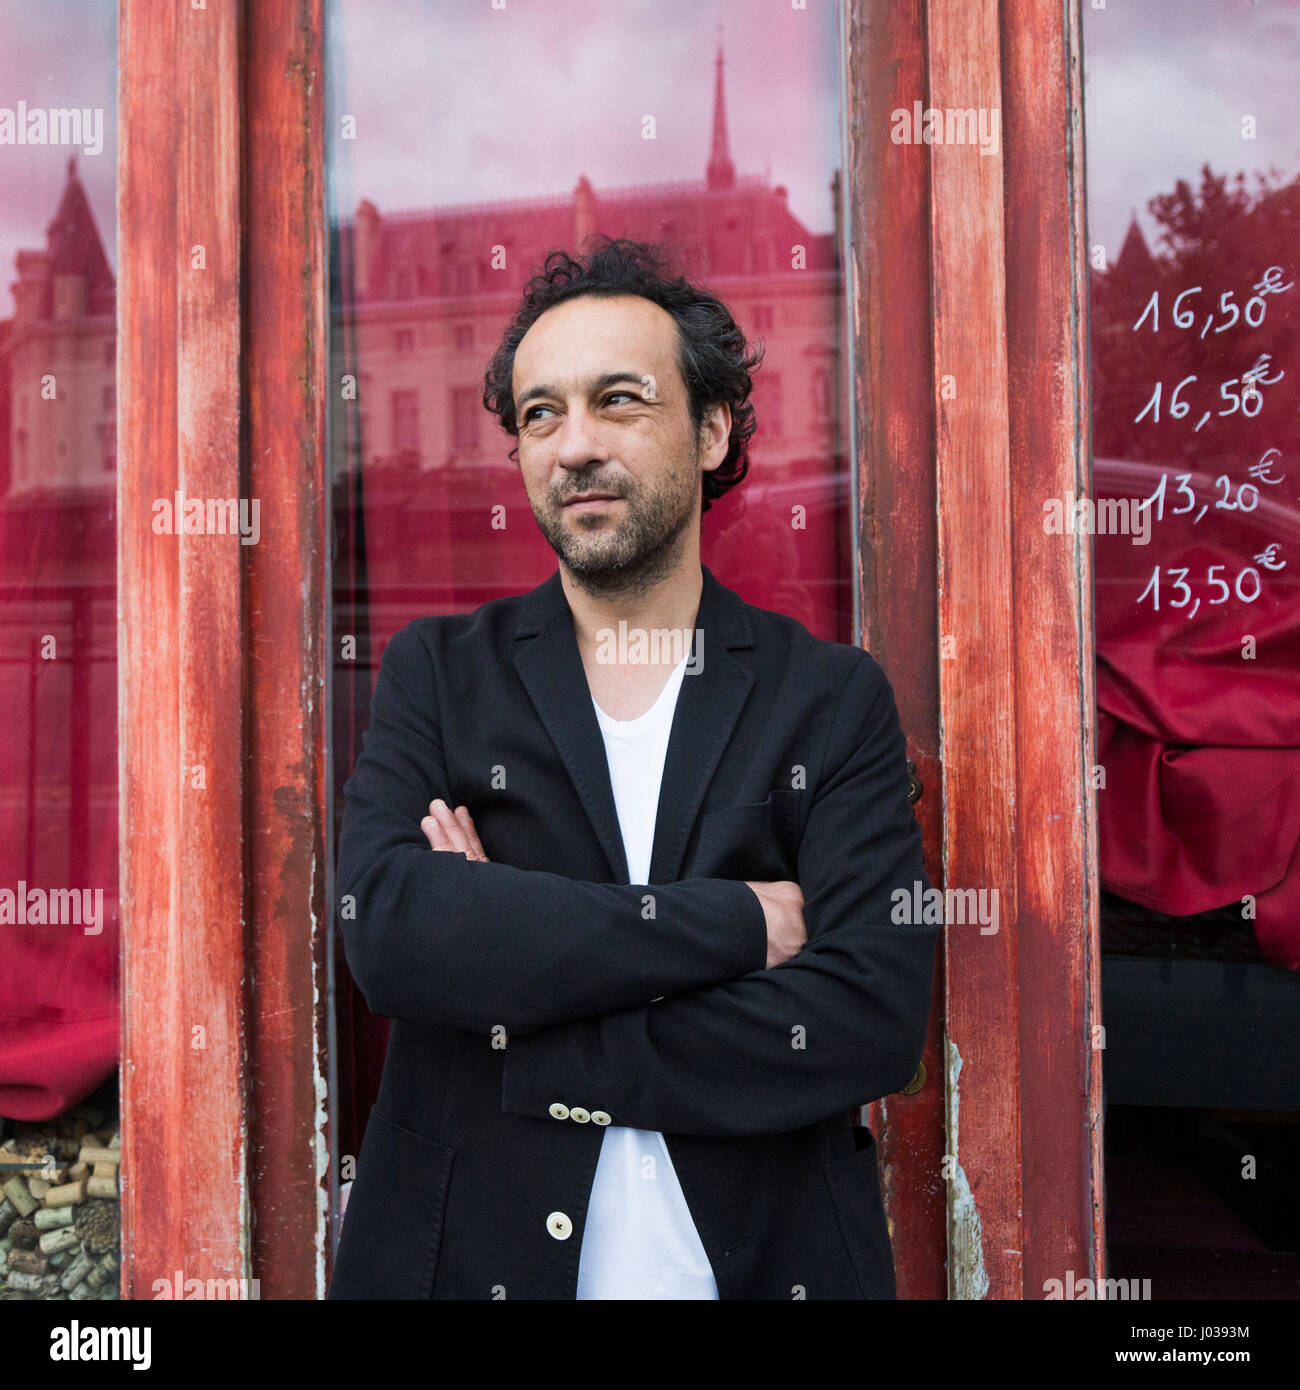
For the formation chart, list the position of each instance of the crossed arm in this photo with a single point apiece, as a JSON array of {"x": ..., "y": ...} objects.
[
  {"x": 734, "y": 1048},
  {"x": 445, "y": 941},
  {"x": 453, "y": 831},
  {"x": 841, "y": 1022}
]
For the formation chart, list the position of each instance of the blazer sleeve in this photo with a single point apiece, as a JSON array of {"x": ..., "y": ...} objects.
[
  {"x": 436, "y": 939},
  {"x": 841, "y": 1023}
]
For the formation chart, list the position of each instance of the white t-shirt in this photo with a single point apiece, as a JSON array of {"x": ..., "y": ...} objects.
[{"x": 640, "y": 1240}]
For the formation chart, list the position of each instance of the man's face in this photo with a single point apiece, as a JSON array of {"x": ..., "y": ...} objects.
[{"x": 603, "y": 415}]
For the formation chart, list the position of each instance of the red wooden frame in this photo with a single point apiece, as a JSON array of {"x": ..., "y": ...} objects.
[
  {"x": 973, "y": 407},
  {"x": 223, "y": 649},
  {"x": 180, "y": 657},
  {"x": 965, "y": 268},
  {"x": 889, "y": 196},
  {"x": 977, "y": 638},
  {"x": 284, "y": 357},
  {"x": 1057, "y": 876}
]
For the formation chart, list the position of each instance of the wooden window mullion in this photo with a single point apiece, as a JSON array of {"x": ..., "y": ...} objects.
[{"x": 223, "y": 647}]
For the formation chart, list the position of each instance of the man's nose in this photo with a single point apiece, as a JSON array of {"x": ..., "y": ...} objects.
[{"x": 578, "y": 441}]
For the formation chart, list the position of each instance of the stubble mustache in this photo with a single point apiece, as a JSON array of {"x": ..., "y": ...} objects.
[{"x": 588, "y": 488}]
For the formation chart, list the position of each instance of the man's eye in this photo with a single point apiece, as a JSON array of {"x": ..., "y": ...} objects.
[
  {"x": 627, "y": 395},
  {"x": 531, "y": 412}
]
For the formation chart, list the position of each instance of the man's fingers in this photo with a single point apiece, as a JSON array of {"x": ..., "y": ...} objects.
[
  {"x": 451, "y": 827},
  {"x": 467, "y": 824},
  {"x": 458, "y": 831},
  {"x": 446, "y": 829},
  {"x": 433, "y": 833}
]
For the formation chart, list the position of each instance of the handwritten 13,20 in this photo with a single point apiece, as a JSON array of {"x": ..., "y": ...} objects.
[{"x": 1247, "y": 583}]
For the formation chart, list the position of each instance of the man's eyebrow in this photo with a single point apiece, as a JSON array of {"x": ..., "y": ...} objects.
[{"x": 598, "y": 384}]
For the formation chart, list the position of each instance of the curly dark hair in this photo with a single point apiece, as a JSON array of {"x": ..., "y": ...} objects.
[{"x": 714, "y": 359}]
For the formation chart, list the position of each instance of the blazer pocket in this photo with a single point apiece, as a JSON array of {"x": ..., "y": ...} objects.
[
  {"x": 756, "y": 841},
  {"x": 854, "y": 1184},
  {"x": 393, "y": 1225}
]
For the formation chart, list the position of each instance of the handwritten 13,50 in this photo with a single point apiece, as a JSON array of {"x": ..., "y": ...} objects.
[{"x": 1247, "y": 583}]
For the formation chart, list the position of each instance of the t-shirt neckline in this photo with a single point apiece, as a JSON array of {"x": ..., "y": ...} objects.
[{"x": 632, "y": 726}]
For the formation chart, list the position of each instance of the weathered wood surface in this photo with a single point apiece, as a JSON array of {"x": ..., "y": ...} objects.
[
  {"x": 180, "y": 670},
  {"x": 976, "y": 662},
  {"x": 223, "y": 648},
  {"x": 888, "y": 205},
  {"x": 1056, "y": 830},
  {"x": 287, "y": 630}
]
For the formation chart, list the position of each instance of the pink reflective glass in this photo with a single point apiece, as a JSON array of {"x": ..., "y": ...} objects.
[
  {"x": 1194, "y": 215},
  {"x": 464, "y": 144},
  {"x": 58, "y": 637}
]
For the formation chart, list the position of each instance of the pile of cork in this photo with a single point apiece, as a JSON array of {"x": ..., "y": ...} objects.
[{"x": 59, "y": 1227}]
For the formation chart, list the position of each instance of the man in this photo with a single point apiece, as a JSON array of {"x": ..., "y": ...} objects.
[{"x": 650, "y": 964}]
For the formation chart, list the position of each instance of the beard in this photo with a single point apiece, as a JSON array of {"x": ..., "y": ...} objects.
[{"x": 628, "y": 557}]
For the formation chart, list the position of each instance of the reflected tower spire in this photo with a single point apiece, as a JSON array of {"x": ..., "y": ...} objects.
[{"x": 722, "y": 172}]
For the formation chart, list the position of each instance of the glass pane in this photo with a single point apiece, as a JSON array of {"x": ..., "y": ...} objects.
[
  {"x": 58, "y": 645},
  {"x": 1194, "y": 206},
  {"x": 467, "y": 142}
]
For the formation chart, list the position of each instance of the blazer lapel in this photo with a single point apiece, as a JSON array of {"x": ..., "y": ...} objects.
[
  {"x": 707, "y": 710},
  {"x": 708, "y": 706},
  {"x": 550, "y": 666}
]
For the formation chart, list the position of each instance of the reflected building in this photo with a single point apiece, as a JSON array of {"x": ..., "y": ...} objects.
[
  {"x": 58, "y": 403},
  {"x": 58, "y": 658},
  {"x": 429, "y": 292}
]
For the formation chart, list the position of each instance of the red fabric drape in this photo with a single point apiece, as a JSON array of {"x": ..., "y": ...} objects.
[
  {"x": 58, "y": 801},
  {"x": 1198, "y": 723}
]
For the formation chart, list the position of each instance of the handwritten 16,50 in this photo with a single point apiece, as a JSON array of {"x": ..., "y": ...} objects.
[
  {"x": 1249, "y": 399},
  {"x": 1247, "y": 493},
  {"x": 1228, "y": 310}
]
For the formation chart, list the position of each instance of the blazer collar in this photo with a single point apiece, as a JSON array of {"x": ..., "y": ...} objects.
[{"x": 708, "y": 706}]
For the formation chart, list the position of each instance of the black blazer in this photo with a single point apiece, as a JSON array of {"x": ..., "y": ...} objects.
[{"x": 541, "y": 989}]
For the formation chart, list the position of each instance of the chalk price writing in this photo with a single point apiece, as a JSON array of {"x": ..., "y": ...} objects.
[
  {"x": 1247, "y": 497},
  {"x": 1184, "y": 315},
  {"x": 1246, "y": 586},
  {"x": 1248, "y": 398},
  {"x": 1247, "y": 493}
]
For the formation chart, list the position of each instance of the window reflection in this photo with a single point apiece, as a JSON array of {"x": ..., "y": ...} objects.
[
  {"x": 58, "y": 641},
  {"x": 467, "y": 144},
  {"x": 1194, "y": 204}
]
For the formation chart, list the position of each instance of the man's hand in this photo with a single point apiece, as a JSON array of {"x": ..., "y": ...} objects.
[
  {"x": 783, "y": 911},
  {"x": 454, "y": 831},
  {"x": 782, "y": 901}
]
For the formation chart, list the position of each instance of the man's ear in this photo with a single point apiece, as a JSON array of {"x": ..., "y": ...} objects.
[{"x": 715, "y": 436}]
